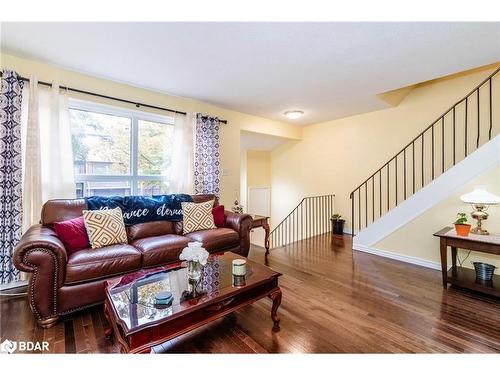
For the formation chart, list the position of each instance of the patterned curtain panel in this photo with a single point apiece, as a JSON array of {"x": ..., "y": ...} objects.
[
  {"x": 10, "y": 172},
  {"x": 206, "y": 156}
]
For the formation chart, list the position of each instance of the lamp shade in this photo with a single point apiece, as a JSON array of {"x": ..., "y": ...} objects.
[{"x": 480, "y": 196}]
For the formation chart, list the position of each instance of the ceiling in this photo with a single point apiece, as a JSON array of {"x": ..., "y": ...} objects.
[
  {"x": 260, "y": 141},
  {"x": 328, "y": 70}
]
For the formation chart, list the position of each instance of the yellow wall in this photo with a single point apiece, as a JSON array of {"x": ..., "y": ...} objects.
[
  {"x": 255, "y": 170},
  {"x": 243, "y": 179},
  {"x": 336, "y": 156},
  {"x": 415, "y": 239},
  {"x": 230, "y": 133},
  {"x": 258, "y": 168}
]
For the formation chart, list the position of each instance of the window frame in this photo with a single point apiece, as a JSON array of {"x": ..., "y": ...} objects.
[{"x": 135, "y": 116}]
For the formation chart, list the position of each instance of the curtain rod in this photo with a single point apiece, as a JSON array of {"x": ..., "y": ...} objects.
[{"x": 137, "y": 104}]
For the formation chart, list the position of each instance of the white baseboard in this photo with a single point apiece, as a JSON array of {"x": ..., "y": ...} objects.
[
  {"x": 13, "y": 285},
  {"x": 401, "y": 258}
]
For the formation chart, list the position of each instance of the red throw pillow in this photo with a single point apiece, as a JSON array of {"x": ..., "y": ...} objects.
[
  {"x": 219, "y": 217},
  {"x": 73, "y": 234}
]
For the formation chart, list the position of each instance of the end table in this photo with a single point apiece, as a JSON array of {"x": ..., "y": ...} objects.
[
  {"x": 262, "y": 221},
  {"x": 466, "y": 277}
]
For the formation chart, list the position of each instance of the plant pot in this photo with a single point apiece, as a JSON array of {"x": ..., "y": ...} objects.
[
  {"x": 484, "y": 271},
  {"x": 462, "y": 229},
  {"x": 338, "y": 226}
]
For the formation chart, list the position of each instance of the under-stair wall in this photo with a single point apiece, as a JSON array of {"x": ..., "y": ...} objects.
[{"x": 414, "y": 242}]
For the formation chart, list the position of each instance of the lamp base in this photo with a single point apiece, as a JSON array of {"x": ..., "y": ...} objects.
[
  {"x": 479, "y": 214},
  {"x": 479, "y": 230}
]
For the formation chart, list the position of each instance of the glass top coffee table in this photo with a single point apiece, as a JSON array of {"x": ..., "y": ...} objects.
[{"x": 138, "y": 324}]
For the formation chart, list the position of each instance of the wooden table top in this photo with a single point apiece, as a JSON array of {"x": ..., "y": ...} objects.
[
  {"x": 449, "y": 232},
  {"x": 216, "y": 283}
]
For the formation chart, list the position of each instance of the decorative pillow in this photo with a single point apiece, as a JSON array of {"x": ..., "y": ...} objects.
[
  {"x": 219, "y": 217},
  {"x": 105, "y": 227},
  {"x": 72, "y": 233},
  {"x": 197, "y": 216}
]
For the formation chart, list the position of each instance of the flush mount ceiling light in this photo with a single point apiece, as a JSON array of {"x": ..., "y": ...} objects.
[{"x": 292, "y": 115}]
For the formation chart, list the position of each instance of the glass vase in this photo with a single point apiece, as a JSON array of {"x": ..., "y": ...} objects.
[{"x": 194, "y": 270}]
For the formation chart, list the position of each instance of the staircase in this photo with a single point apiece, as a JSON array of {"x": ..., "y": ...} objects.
[
  {"x": 311, "y": 217},
  {"x": 461, "y": 130}
]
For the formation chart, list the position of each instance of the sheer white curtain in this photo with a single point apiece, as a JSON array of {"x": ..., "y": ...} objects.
[
  {"x": 58, "y": 180},
  {"x": 48, "y": 156},
  {"x": 32, "y": 179},
  {"x": 182, "y": 171}
]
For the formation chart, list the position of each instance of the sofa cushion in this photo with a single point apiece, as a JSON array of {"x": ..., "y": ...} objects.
[
  {"x": 151, "y": 229},
  {"x": 105, "y": 227},
  {"x": 215, "y": 239},
  {"x": 160, "y": 250},
  {"x": 219, "y": 217},
  {"x": 72, "y": 233},
  {"x": 92, "y": 264},
  {"x": 197, "y": 216}
]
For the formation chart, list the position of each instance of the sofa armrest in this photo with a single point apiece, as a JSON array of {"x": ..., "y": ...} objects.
[
  {"x": 39, "y": 237},
  {"x": 241, "y": 223},
  {"x": 41, "y": 253}
]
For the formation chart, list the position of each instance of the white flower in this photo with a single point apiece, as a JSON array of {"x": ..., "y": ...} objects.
[{"x": 195, "y": 252}]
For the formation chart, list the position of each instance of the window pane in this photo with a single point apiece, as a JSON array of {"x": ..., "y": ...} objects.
[
  {"x": 152, "y": 187},
  {"x": 101, "y": 143},
  {"x": 80, "y": 189},
  {"x": 155, "y": 148},
  {"x": 103, "y": 188}
]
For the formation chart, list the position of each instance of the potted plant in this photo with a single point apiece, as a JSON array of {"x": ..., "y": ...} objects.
[
  {"x": 337, "y": 224},
  {"x": 461, "y": 225}
]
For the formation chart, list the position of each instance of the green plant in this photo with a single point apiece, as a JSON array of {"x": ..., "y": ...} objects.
[
  {"x": 336, "y": 216},
  {"x": 461, "y": 218}
]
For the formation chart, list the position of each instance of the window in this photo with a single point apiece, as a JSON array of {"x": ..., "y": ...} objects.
[{"x": 119, "y": 152}]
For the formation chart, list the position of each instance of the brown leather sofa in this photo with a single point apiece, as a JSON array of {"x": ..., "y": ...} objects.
[{"x": 61, "y": 283}]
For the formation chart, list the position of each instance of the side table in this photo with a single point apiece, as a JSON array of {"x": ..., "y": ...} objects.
[
  {"x": 466, "y": 277},
  {"x": 262, "y": 221}
]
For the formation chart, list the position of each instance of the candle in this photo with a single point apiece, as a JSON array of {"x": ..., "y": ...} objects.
[{"x": 239, "y": 267}]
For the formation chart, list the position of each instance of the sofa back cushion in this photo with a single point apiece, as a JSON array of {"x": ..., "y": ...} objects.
[
  {"x": 61, "y": 210},
  {"x": 151, "y": 229},
  {"x": 200, "y": 198}
]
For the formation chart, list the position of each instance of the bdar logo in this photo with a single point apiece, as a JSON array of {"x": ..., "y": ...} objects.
[{"x": 8, "y": 346}]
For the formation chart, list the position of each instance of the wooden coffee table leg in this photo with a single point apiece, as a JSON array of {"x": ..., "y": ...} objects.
[
  {"x": 276, "y": 298},
  {"x": 108, "y": 330}
]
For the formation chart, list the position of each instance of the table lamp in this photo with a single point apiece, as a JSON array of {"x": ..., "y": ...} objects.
[{"x": 480, "y": 200}]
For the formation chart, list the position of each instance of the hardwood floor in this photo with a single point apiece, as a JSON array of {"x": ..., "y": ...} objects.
[{"x": 334, "y": 301}]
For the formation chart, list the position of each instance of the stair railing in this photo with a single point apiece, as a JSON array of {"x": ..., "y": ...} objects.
[
  {"x": 460, "y": 130},
  {"x": 311, "y": 217}
]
